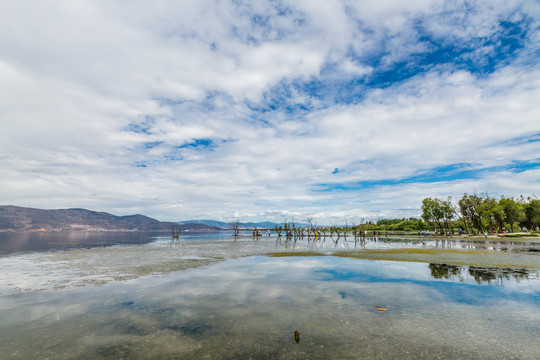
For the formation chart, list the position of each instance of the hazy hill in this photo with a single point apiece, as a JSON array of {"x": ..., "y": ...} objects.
[
  {"x": 218, "y": 224},
  {"x": 247, "y": 225},
  {"x": 20, "y": 218}
]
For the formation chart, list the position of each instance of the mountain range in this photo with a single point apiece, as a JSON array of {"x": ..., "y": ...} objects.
[
  {"x": 15, "y": 218},
  {"x": 245, "y": 225}
]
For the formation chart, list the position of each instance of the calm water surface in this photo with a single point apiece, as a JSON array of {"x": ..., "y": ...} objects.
[
  {"x": 22, "y": 242},
  {"x": 251, "y": 307}
]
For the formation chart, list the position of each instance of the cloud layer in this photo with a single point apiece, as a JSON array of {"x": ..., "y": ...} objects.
[{"x": 267, "y": 109}]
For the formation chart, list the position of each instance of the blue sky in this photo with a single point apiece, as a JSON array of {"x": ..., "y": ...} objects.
[{"x": 267, "y": 110}]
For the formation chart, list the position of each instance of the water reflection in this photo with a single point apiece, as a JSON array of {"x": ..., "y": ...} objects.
[
  {"x": 282, "y": 308},
  {"x": 498, "y": 275},
  {"x": 351, "y": 242},
  {"x": 489, "y": 275},
  {"x": 445, "y": 271},
  {"x": 22, "y": 242}
]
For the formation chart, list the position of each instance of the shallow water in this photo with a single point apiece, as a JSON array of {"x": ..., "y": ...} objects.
[
  {"x": 250, "y": 307},
  {"x": 242, "y": 304},
  {"x": 24, "y": 242}
]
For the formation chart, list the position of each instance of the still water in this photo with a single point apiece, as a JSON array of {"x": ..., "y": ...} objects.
[
  {"x": 263, "y": 307},
  {"x": 23, "y": 242}
]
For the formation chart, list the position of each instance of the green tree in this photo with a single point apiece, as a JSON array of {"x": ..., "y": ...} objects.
[
  {"x": 428, "y": 211},
  {"x": 437, "y": 212},
  {"x": 461, "y": 221},
  {"x": 489, "y": 211},
  {"x": 500, "y": 215},
  {"x": 420, "y": 225},
  {"x": 513, "y": 211},
  {"x": 469, "y": 208},
  {"x": 532, "y": 213},
  {"x": 447, "y": 211}
]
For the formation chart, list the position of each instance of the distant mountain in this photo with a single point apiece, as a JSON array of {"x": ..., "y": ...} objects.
[
  {"x": 214, "y": 223},
  {"x": 246, "y": 225},
  {"x": 263, "y": 225},
  {"x": 14, "y": 218}
]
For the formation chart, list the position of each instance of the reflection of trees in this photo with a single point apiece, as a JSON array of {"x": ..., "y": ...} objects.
[
  {"x": 486, "y": 275},
  {"x": 481, "y": 274},
  {"x": 446, "y": 271}
]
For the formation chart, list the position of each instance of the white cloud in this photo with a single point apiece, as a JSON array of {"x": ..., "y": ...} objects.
[{"x": 95, "y": 91}]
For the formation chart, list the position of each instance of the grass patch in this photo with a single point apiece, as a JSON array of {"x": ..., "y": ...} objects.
[
  {"x": 487, "y": 258},
  {"x": 531, "y": 234},
  {"x": 407, "y": 251}
]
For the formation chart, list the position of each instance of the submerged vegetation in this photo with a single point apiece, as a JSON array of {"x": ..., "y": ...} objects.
[
  {"x": 234, "y": 225},
  {"x": 175, "y": 232}
]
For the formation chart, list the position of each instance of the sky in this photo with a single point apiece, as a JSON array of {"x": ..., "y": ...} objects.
[{"x": 267, "y": 110}]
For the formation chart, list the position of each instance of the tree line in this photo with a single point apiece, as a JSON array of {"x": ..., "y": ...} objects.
[
  {"x": 471, "y": 213},
  {"x": 475, "y": 213}
]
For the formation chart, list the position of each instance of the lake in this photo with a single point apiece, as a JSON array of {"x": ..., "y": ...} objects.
[{"x": 209, "y": 296}]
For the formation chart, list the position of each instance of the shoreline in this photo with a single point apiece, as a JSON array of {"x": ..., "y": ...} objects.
[{"x": 498, "y": 237}]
